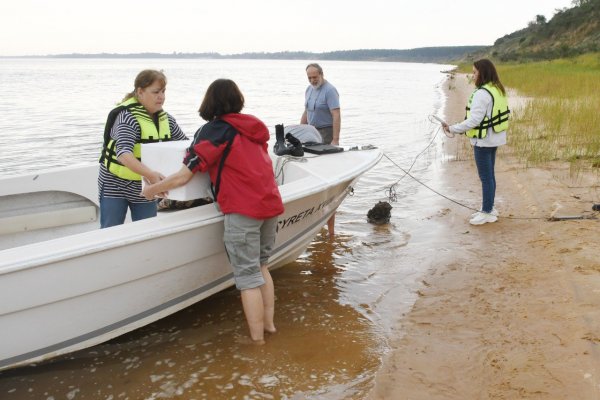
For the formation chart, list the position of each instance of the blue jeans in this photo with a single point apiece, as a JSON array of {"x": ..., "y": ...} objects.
[
  {"x": 113, "y": 211},
  {"x": 485, "y": 159}
]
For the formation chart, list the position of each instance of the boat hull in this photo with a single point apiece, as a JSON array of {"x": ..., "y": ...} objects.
[{"x": 72, "y": 292}]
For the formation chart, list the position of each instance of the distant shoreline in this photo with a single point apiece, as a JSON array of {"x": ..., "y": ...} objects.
[{"x": 423, "y": 54}]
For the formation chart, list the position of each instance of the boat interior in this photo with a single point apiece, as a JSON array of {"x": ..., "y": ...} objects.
[{"x": 33, "y": 214}]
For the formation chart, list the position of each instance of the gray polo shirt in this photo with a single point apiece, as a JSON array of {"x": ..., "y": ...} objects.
[{"x": 319, "y": 102}]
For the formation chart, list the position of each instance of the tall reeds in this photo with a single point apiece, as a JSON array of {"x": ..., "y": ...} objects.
[{"x": 560, "y": 118}]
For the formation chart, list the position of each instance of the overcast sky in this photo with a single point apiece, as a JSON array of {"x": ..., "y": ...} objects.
[{"x": 41, "y": 27}]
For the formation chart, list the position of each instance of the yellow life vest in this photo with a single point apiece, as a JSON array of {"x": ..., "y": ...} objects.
[
  {"x": 500, "y": 113},
  {"x": 151, "y": 131}
]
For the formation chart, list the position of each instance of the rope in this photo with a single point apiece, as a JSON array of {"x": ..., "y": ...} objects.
[
  {"x": 424, "y": 184},
  {"x": 391, "y": 192},
  {"x": 434, "y": 119},
  {"x": 392, "y": 196},
  {"x": 280, "y": 164},
  {"x": 414, "y": 161}
]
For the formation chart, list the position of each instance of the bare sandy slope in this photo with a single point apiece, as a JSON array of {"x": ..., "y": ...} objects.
[{"x": 510, "y": 310}]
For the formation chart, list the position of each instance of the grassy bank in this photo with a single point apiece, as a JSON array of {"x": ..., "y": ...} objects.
[{"x": 561, "y": 117}]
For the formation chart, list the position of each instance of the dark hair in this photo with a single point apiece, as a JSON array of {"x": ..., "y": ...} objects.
[
  {"x": 223, "y": 96},
  {"x": 487, "y": 74},
  {"x": 144, "y": 79},
  {"x": 315, "y": 65}
]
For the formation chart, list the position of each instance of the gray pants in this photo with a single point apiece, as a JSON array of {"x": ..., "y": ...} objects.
[
  {"x": 249, "y": 243},
  {"x": 326, "y": 134}
]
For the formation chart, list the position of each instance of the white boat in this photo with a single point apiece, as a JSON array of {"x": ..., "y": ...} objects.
[{"x": 66, "y": 285}]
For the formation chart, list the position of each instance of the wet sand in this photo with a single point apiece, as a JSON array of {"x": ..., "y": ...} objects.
[{"x": 509, "y": 310}]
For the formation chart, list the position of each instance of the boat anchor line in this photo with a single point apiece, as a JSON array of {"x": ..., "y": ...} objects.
[{"x": 391, "y": 193}]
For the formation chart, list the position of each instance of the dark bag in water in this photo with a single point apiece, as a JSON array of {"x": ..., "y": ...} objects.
[{"x": 292, "y": 148}]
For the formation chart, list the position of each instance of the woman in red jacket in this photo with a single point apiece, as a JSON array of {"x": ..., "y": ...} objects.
[{"x": 232, "y": 147}]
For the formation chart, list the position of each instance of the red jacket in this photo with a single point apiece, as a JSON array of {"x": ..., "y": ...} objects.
[{"x": 247, "y": 183}]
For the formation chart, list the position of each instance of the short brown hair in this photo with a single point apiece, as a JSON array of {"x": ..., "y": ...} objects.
[{"x": 223, "y": 96}]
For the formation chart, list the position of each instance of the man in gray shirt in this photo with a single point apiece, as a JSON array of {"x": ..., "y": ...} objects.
[
  {"x": 322, "y": 105},
  {"x": 322, "y": 110}
]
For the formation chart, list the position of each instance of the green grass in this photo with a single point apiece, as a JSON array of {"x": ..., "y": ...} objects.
[
  {"x": 565, "y": 78},
  {"x": 561, "y": 119}
]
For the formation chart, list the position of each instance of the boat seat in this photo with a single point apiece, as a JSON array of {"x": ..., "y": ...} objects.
[{"x": 47, "y": 219}]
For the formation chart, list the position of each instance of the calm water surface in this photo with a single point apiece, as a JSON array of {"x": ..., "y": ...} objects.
[{"x": 337, "y": 305}]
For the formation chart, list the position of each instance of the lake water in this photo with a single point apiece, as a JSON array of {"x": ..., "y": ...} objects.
[{"x": 337, "y": 305}]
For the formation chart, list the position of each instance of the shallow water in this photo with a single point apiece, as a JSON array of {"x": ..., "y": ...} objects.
[{"x": 337, "y": 305}]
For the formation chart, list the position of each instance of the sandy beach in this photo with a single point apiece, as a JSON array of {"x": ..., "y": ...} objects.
[{"x": 509, "y": 310}]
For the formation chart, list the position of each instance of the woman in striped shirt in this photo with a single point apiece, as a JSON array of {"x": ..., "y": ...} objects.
[{"x": 138, "y": 119}]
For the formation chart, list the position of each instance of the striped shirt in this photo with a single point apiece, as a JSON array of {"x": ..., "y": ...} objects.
[{"x": 126, "y": 132}]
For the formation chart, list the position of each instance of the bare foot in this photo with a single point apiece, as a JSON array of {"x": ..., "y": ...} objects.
[
  {"x": 271, "y": 330},
  {"x": 249, "y": 341}
]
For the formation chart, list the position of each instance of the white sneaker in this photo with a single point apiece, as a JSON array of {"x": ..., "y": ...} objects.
[
  {"x": 481, "y": 218},
  {"x": 494, "y": 212}
]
